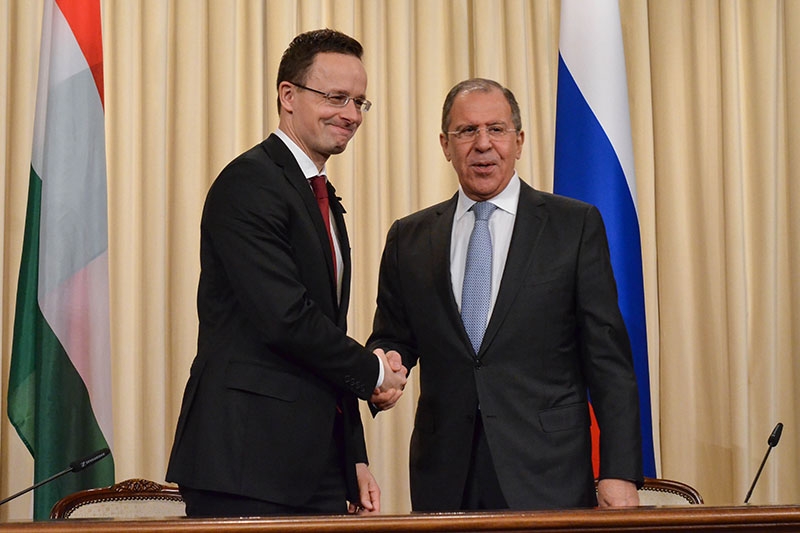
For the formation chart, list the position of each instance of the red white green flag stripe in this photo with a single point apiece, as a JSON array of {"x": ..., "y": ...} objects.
[{"x": 59, "y": 397}]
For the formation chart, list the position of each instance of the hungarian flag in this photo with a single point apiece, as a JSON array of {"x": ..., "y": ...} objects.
[
  {"x": 59, "y": 394},
  {"x": 594, "y": 163}
]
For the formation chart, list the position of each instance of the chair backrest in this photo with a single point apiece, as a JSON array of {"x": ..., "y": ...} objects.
[
  {"x": 132, "y": 498},
  {"x": 658, "y": 491}
]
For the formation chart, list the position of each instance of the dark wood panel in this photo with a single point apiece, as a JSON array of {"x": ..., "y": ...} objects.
[{"x": 696, "y": 518}]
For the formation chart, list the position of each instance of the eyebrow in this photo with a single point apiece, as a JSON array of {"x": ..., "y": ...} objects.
[{"x": 473, "y": 125}]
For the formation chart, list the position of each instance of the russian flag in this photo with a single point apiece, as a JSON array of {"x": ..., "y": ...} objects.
[{"x": 594, "y": 163}]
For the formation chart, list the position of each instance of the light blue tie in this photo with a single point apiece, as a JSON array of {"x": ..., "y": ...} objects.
[{"x": 476, "y": 293}]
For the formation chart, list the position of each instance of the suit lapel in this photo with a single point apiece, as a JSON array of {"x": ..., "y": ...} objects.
[
  {"x": 441, "y": 236},
  {"x": 283, "y": 157},
  {"x": 530, "y": 221},
  {"x": 344, "y": 245}
]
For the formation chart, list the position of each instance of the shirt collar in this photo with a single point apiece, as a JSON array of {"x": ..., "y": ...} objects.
[
  {"x": 307, "y": 166},
  {"x": 507, "y": 200}
]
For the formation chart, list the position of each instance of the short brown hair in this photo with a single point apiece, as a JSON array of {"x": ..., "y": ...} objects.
[{"x": 299, "y": 56}]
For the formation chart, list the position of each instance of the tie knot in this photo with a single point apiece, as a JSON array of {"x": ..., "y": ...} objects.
[
  {"x": 319, "y": 187},
  {"x": 483, "y": 210}
]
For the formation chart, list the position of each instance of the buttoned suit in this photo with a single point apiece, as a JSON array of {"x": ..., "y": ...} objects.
[
  {"x": 274, "y": 367},
  {"x": 555, "y": 332}
]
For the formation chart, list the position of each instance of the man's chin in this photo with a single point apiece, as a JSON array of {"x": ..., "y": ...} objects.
[
  {"x": 338, "y": 145},
  {"x": 337, "y": 149}
]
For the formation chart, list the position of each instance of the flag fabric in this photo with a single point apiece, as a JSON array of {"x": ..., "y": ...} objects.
[
  {"x": 59, "y": 394},
  {"x": 594, "y": 163}
]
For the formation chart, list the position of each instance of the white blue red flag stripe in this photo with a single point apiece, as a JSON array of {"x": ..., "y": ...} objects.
[{"x": 594, "y": 162}]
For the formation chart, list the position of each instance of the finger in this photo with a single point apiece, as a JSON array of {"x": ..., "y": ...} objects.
[
  {"x": 374, "y": 499},
  {"x": 366, "y": 503},
  {"x": 387, "y": 403}
]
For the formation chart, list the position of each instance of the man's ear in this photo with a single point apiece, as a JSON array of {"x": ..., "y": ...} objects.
[
  {"x": 287, "y": 94},
  {"x": 520, "y": 141},
  {"x": 443, "y": 140}
]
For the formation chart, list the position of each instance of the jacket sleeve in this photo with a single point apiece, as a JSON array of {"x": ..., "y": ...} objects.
[
  {"x": 391, "y": 329},
  {"x": 606, "y": 356},
  {"x": 265, "y": 249}
]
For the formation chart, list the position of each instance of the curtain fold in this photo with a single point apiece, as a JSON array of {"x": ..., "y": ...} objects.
[{"x": 713, "y": 89}]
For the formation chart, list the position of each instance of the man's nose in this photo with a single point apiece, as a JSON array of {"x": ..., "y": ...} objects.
[
  {"x": 352, "y": 112},
  {"x": 482, "y": 139}
]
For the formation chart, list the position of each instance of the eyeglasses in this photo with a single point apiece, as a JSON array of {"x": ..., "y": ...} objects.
[
  {"x": 496, "y": 132},
  {"x": 338, "y": 99}
]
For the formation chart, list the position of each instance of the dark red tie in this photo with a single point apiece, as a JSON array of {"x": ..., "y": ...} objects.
[{"x": 321, "y": 193}]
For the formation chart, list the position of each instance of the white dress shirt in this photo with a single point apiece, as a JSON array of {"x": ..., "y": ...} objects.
[{"x": 501, "y": 225}]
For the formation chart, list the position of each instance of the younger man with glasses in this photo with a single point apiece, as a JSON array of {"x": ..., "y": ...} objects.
[
  {"x": 270, "y": 422},
  {"x": 506, "y": 298}
]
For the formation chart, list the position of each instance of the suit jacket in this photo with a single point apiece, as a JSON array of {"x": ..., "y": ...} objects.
[
  {"x": 555, "y": 331},
  {"x": 273, "y": 360}
]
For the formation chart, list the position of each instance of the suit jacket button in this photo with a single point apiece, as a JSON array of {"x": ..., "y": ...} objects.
[{"x": 478, "y": 364}]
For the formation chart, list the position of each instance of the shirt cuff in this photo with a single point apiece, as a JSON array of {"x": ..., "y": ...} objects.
[{"x": 380, "y": 372}]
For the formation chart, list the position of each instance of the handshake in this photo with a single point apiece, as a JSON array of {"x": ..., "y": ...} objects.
[{"x": 394, "y": 380}]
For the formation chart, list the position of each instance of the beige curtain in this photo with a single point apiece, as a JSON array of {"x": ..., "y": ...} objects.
[{"x": 714, "y": 97}]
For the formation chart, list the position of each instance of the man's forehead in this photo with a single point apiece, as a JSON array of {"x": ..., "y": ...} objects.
[
  {"x": 340, "y": 67},
  {"x": 486, "y": 106}
]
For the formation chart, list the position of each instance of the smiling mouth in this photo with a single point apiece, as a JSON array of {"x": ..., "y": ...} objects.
[
  {"x": 345, "y": 129},
  {"x": 483, "y": 167}
]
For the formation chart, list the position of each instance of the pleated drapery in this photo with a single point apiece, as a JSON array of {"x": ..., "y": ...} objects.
[{"x": 713, "y": 90}]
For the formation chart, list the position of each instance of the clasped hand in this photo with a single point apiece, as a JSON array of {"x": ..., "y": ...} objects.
[{"x": 394, "y": 380}]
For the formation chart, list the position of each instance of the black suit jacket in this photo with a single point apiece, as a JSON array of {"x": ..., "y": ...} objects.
[
  {"x": 555, "y": 331},
  {"x": 273, "y": 360}
]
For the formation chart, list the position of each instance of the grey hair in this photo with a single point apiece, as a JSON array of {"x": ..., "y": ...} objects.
[{"x": 483, "y": 85}]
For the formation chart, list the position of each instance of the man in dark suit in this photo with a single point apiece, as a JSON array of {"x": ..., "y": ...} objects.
[
  {"x": 505, "y": 297},
  {"x": 269, "y": 422}
]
